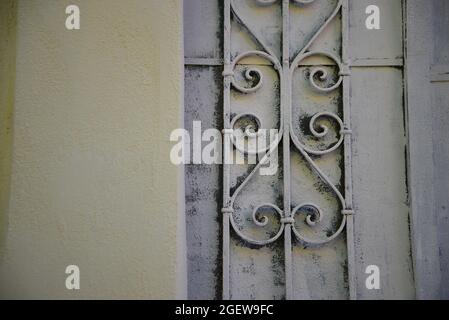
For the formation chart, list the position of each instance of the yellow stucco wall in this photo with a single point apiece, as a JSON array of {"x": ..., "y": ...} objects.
[
  {"x": 91, "y": 180},
  {"x": 8, "y": 15}
]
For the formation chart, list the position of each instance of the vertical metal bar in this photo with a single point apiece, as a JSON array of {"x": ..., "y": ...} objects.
[
  {"x": 227, "y": 146},
  {"x": 348, "y": 152},
  {"x": 286, "y": 110}
]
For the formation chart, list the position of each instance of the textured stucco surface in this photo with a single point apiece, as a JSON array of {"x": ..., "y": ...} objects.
[
  {"x": 8, "y": 14},
  {"x": 91, "y": 182}
]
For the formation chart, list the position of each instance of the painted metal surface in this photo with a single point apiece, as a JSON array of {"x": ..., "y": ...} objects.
[{"x": 313, "y": 213}]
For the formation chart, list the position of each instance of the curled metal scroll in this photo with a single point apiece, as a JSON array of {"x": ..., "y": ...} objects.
[
  {"x": 252, "y": 73},
  {"x": 318, "y": 75},
  {"x": 324, "y": 131},
  {"x": 320, "y": 72},
  {"x": 312, "y": 223},
  {"x": 261, "y": 223},
  {"x": 252, "y": 131}
]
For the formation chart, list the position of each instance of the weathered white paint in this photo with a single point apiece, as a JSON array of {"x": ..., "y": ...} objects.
[
  {"x": 428, "y": 101},
  {"x": 379, "y": 133},
  {"x": 380, "y": 194}
]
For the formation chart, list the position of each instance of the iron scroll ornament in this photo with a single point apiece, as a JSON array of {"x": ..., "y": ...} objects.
[{"x": 285, "y": 70}]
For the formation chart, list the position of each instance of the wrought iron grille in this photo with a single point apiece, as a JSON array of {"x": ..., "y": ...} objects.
[{"x": 288, "y": 140}]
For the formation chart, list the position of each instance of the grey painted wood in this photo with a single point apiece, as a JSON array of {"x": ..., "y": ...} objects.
[
  {"x": 379, "y": 183},
  {"x": 376, "y": 44},
  {"x": 202, "y": 28},
  {"x": 440, "y": 111},
  {"x": 419, "y": 44},
  {"x": 203, "y": 187},
  {"x": 427, "y": 60},
  {"x": 440, "y": 27}
]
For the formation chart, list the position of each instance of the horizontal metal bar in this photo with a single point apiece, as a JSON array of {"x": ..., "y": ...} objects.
[{"x": 365, "y": 62}]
